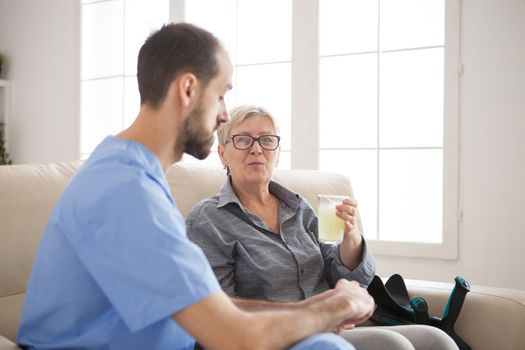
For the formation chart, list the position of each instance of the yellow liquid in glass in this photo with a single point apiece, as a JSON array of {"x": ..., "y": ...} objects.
[{"x": 330, "y": 226}]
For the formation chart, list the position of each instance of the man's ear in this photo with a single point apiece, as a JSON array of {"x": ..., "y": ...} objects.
[{"x": 187, "y": 87}]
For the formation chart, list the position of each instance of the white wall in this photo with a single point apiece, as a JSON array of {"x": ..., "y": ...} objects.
[
  {"x": 42, "y": 43},
  {"x": 492, "y": 152},
  {"x": 40, "y": 39}
]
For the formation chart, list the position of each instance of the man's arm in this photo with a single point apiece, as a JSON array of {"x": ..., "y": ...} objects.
[
  {"x": 263, "y": 305},
  {"x": 253, "y": 305},
  {"x": 217, "y": 323}
]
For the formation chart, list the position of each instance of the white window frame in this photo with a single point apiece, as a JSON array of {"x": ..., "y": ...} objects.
[
  {"x": 305, "y": 106},
  {"x": 305, "y": 115}
]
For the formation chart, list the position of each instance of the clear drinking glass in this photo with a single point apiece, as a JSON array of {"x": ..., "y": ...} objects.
[{"x": 331, "y": 228}]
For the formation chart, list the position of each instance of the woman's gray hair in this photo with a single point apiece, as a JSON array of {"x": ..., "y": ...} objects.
[{"x": 238, "y": 115}]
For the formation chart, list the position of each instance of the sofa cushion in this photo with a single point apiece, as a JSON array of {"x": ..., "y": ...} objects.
[
  {"x": 6, "y": 344},
  {"x": 10, "y": 308},
  {"x": 28, "y": 195}
]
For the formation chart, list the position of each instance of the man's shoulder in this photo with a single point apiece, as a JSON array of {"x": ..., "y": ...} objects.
[
  {"x": 120, "y": 160},
  {"x": 103, "y": 186},
  {"x": 99, "y": 179}
]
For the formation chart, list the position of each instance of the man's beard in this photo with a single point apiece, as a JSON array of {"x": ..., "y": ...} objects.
[{"x": 194, "y": 138}]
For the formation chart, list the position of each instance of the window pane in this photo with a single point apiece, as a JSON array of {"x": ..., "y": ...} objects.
[
  {"x": 102, "y": 39},
  {"x": 264, "y": 31},
  {"x": 230, "y": 99},
  {"x": 412, "y": 98},
  {"x": 411, "y": 189},
  {"x": 205, "y": 13},
  {"x": 412, "y": 23},
  {"x": 347, "y": 26},
  {"x": 361, "y": 168},
  {"x": 256, "y": 85},
  {"x": 131, "y": 100},
  {"x": 142, "y": 18},
  {"x": 348, "y": 101},
  {"x": 101, "y": 111}
]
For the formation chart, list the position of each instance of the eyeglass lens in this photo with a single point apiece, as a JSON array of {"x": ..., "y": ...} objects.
[{"x": 268, "y": 142}]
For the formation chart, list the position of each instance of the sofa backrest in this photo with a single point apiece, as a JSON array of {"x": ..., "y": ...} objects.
[
  {"x": 191, "y": 182},
  {"x": 28, "y": 194}
]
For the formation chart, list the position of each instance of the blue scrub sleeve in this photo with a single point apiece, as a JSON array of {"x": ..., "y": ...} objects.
[{"x": 134, "y": 245}]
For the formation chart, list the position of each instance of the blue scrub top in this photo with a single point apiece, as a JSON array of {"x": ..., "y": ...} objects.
[{"x": 114, "y": 262}]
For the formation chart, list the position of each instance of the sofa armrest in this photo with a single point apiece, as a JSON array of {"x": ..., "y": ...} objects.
[
  {"x": 491, "y": 318},
  {"x": 6, "y": 344}
]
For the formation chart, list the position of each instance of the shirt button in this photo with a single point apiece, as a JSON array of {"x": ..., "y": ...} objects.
[{"x": 301, "y": 271}]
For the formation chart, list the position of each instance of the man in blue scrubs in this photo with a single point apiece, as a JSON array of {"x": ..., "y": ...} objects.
[{"x": 115, "y": 269}]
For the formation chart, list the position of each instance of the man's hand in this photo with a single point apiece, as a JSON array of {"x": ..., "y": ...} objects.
[
  {"x": 362, "y": 304},
  {"x": 349, "y": 324}
]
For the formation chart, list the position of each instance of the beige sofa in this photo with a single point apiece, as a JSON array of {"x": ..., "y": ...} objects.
[{"x": 492, "y": 318}]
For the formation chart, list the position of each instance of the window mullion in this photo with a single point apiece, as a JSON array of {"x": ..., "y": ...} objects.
[
  {"x": 305, "y": 85},
  {"x": 378, "y": 111},
  {"x": 177, "y": 10}
]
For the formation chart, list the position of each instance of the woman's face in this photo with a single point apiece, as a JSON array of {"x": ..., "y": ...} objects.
[{"x": 255, "y": 164}]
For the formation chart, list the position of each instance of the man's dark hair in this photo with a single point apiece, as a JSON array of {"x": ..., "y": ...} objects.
[{"x": 173, "y": 50}]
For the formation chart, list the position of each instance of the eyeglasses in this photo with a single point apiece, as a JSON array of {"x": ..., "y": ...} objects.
[{"x": 268, "y": 142}]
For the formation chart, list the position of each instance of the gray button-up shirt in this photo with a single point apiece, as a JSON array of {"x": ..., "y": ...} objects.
[{"x": 258, "y": 263}]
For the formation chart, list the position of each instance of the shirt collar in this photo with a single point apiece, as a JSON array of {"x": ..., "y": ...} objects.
[{"x": 227, "y": 195}]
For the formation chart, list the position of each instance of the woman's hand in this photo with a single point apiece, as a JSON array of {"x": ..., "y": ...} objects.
[
  {"x": 351, "y": 249},
  {"x": 347, "y": 211}
]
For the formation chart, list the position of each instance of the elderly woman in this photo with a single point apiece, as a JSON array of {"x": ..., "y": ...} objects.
[{"x": 262, "y": 239}]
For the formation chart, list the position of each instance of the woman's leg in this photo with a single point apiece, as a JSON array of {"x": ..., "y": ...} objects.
[
  {"x": 425, "y": 337},
  {"x": 376, "y": 338}
]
